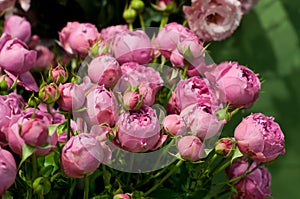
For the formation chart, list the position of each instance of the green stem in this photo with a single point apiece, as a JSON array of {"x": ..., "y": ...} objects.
[
  {"x": 69, "y": 126},
  {"x": 224, "y": 166},
  {"x": 86, "y": 187},
  {"x": 142, "y": 21},
  {"x": 184, "y": 76},
  {"x": 73, "y": 185},
  {"x": 179, "y": 163},
  {"x": 34, "y": 167},
  {"x": 164, "y": 21},
  {"x": 130, "y": 26}
]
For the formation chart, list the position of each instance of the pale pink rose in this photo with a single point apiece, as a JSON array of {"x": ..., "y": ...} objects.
[
  {"x": 132, "y": 46},
  {"x": 236, "y": 84},
  {"x": 260, "y": 138},
  {"x": 111, "y": 31},
  {"x": 18, "y": 27},
  {"x": 71, "y": 96},
  {"x": 174, "y": 125},
  {"x": 190, "y": 148},
  {"x": 81, "y": 155},
  {"x": 201, "y": 121},
  {"x": 8, "y": 170},
  {"x": 34, "y": 132},
  {"x": 25, "y": 80},
  {"x": 104, "y": 70},
  {"x": 78, "y": 37},
  {"x": 213, "y": 19},
  {"x": 15, "y": 56},
  {"x": 255, "y": 185},
  {"x": 139, "y": 131}
]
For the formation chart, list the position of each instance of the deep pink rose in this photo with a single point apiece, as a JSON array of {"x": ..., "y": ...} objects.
[
  {"x": 78, "y": 37},
  {"x": 213, "y": 19},
  {"x": 255, "y": 185},
  {"x": 71, "y": 96},
  {"x": 18, "y": 27},
  {"x": 247, "y": 5},
  {"x": 190, "y": 148},
  {"x": 132, "y": 46},
  {"x": 201, "y": 121},
  {"x": 171, "y": 35},
  {"x": 139, "y": 131},
  {"x": 81, "y": 155},
  {"x": 15, "y": 56},
  {"x": 35, "y": 132},
  {"x": 111, "y": 31},
  {"x": 174, "y": 125},
  {"x": 236, "y": 84},
  {"x": 45, "y": 58},
  {"x": 260, "y": 138},
  {"x": 8, "y": 170},
  {"x": 102, "y": 107},
  {"x": 104, "y": 70}
]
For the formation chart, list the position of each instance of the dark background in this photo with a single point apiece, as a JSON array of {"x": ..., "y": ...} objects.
[{"x": 267, "y": 41}]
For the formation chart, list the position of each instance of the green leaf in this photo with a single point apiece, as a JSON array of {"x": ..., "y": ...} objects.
[
  {"x": 51, "y": 129},
  {"x": 27, "y": 151},
  {"x": 237, "y": 154}
]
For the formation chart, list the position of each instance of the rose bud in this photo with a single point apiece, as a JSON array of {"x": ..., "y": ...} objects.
[
  {"x": 5, "y": 83},
  {"x": 58, "y": 74},
  {"x": 174, "y": 125},
  {"x": 166, "y": 6},
  {"x": 129, "y": 15},
  {"x": 35, "y": 132},
  {"x": 247, "y": 5},
  {"x": 71, "y": 96},
  {"x": 15, "y": 56},
  {"x": 224, "y": 147},
  {"x": 104, "y": 70},
  {"x": 132, "y": 100},
  {"x": 81, "y": 155},
  {"x": 132, "y": 46},
  {"x": 170, "y": 36},
  {"x": 260, "y": 138},
  {"x": 78, "y": 37},
  {"x": 236, "y": 84},
  {"x": 139, "y": 131},
  {"x": 213, "y": 20},
  {"x": 254, "y": 185},
  {"x": 122, "y": 196},
  {"x": 49, "y": 93},
  {"x": 190, "y": 148},
  {"x": 8, "y": 170},
  {"x": 45, "y": 58},
  {"x": 18, "y": 27},
  {"x": 201, "y": 121},
  {"x": 111, "y": 31}
]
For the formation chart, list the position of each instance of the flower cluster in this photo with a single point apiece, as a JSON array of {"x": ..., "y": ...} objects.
[{"x": 112, "y": 98}]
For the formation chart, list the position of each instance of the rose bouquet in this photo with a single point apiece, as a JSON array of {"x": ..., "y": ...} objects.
[{"x": 132, "y": 113}]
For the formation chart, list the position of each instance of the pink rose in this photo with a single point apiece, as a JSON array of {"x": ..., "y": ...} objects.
[
  {"x": 35, "y": 132},
  {"x": 259, "y": 137},
  {"x": 71, "y": 96},
  {"x": 122, "y": 196},
  {"x": 81, "y": 155},
  {"x": 45, "y": 58},
  {"x": 225, "y": 146},
  {"x": 131, "y": 100},
  {"x": 7, "y": 5},
  {"x": 102, "y": 107},
  {"x": 254, "y": 185},
  {"x": 49, "y": 93},
  {"x": 59, "y": 75},
  {"x": 213, "y": 20},
  {"x": 132, "y": 46},
  {"x": 8, "y": 170},
  {"x": 78, "y": 37},
  {"x": 15, "y": 56},
  {"x": 237, "y": 85},
  {"x": 111, "y": 31},
  {"x": 247, "y": 5},
  {"x": 18, "y": 27},
  {"x": 139, "y": 131},
  {"x": 201, "y": 121},
  {"x": 174, "y": 125},
  {"x": 104, "y": 70},
  {"x": 190, "y": 148}
]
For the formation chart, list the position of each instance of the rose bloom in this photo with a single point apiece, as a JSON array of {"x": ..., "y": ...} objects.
[
  {"x": 255, "y": 185},
  {"x": 8, "y": 170},
  {"x": 104, "y": 70},
  {"x": 236, "y": 84},
  {"x": 45, "y": 58},
  {"x": 15, "y": 56},
  {"x": 213, "y": 20},
  {"x": 18, "y": 27},
  {"x": 111, "y": 31},
  {"x": 190, "y": 148},
  {"x": 81, "y": 155},
  {"x": 78, "y": 37},
  {"x": 139, "y": 131},
  {"x": 132, "y": 46},
  {"x": 260, "y": 138},
  {"x": 174, "y": 125}
]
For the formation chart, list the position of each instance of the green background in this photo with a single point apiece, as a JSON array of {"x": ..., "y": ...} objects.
[{"x": 268, "y": 42}]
